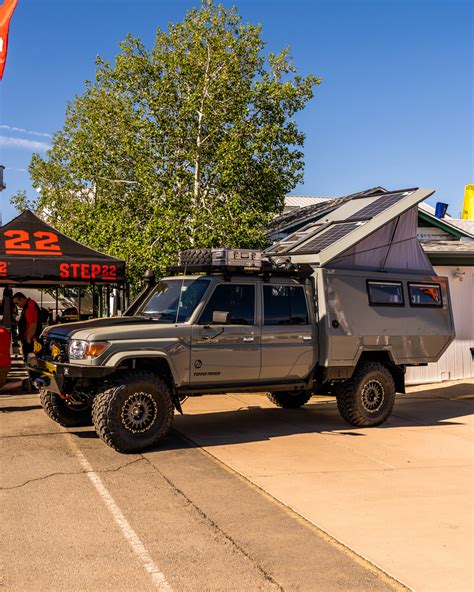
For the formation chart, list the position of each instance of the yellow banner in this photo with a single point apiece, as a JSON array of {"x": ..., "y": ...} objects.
[{"x": 468, "y": 206}]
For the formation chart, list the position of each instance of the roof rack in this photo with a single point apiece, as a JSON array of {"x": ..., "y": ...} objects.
[
  {"x": 267, "y": 270},
  {"x": 230, "y": 262}
]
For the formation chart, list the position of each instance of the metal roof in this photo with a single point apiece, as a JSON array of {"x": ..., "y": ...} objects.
[
  {"x": 451, "y": 225},
  {"x": 301, "y": 201},
  {"x": 466, "y": 226},
  {"x": 452, "y": 247},
  {"x": 450, "y": 252},
  {"x": 345, "y": 222}
]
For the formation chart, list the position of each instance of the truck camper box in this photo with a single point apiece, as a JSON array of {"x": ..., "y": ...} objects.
[{"x": 376, "y": 290}]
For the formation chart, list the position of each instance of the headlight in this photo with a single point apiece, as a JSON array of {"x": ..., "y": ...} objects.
[{"x": 79, "y": 349}]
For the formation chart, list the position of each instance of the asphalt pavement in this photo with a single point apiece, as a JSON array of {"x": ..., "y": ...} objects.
[{"x": 76, "y": 515}]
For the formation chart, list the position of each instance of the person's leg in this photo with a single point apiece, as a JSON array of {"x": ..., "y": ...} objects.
[
  {"x": 3, "y": 375},
  {"x": 26, "y": 348}
]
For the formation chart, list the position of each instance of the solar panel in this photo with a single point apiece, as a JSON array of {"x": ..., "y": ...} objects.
[
  {"x": 316, "y": 211},
  {"x": 376, "y": 207},
  {"x": 293, "y": 240},
  {"x": 326, "y": 239}
]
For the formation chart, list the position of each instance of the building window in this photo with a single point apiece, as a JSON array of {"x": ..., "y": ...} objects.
[
  {"x": 425, "y": 295},
  {"x": 385, "y": 293}
]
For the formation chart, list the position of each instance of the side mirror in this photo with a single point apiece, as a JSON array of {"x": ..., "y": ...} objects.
[{"x": 220, "y": 318}]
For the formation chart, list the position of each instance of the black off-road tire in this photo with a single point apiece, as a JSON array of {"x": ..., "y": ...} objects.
[
  {"x": 134, "y": 412},
  {"x": 66, "y": 414},
  {"x": 289, "y": 399},
  {"x": 196, "y": 257},
  {"x": 367, "y": 399}
]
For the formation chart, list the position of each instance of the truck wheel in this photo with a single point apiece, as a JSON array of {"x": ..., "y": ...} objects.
[
  {"x": 288, "y": 399},
  {"x": 368, "y": 397},
  {"x": 196, "y": 257},
  {"x": 66, "y": 413},
  {"x": 134, "y": 412}
]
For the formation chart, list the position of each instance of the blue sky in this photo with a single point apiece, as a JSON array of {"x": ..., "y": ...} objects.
[{"x": 394, "y": 109}]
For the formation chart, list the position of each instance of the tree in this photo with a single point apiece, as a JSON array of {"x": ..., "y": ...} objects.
[
  {"x": 191, "y": 143},
  {"x": 21, "y": 202}
]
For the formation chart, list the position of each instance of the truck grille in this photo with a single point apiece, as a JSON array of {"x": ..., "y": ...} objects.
[{"x": 54, "y": 349}]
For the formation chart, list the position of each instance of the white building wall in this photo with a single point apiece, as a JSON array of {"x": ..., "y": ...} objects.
[{"x": 457, "y": 362}]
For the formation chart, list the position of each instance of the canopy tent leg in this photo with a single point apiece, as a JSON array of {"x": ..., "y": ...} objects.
[
  {"x": 107, "y": 292},
  {"x": 94, "y": 301},
  {"x": 7, "y": 308},
  {"x": 126, "y": 289}
]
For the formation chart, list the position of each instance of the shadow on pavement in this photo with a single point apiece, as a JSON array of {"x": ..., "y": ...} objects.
[
  {"x": 464, "y": 390},
  {"x": 20, "y": 408},
  {"x": 83, "y": 434},
  {"x": 13, "y": 388},
  {"x": 431, "y": 407}
]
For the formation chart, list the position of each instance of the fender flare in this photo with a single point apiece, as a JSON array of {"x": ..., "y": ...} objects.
[{"x": 119, "y": 357}]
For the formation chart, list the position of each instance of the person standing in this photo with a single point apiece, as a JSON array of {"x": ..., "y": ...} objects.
[{"x": 29, "y": 325}]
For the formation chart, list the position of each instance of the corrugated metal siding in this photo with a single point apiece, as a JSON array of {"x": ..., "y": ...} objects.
[{"x": 457, "y": 362}]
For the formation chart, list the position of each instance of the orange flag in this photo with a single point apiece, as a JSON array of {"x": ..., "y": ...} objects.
[{"x": 6, "y": 12}]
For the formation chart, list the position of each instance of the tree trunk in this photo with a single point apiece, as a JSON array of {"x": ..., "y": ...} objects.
[{"x": 197, "y": 197}]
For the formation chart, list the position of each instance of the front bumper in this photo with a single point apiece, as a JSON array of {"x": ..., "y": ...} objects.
[{"x": 60, "y": 377}]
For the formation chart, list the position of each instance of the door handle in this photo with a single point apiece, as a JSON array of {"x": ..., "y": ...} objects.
[
  {"x": 306, "y": 337},
  {"x": 248, "y": 339},
  {"x": 209, "y": 334}
]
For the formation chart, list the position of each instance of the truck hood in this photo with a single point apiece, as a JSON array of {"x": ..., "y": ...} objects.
[{"x": 69, "y": 329}]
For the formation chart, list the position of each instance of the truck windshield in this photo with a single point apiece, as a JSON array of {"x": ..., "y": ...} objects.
[{"x": 171, "y": 294}]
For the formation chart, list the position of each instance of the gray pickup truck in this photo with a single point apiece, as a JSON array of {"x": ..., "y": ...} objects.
[{"x": 286, "y": 322}]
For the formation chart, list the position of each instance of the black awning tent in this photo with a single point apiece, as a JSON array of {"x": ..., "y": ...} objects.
[{"x": 34, "y": 253}]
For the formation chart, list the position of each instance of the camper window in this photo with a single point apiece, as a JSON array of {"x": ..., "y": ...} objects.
[
  {"x": 385, "y": 293},
  {"x": 425, "y": 295}
]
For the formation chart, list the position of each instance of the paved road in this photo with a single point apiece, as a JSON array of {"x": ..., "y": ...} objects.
[
  {"x": 401, "y": 495},
  {"x": 78, "y": 516}
]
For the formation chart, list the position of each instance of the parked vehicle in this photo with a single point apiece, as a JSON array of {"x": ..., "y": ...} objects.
[{"x": 284, "y": 322}]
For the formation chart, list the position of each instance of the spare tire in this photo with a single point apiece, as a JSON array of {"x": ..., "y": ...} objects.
[{"x": 196, "y": 257}]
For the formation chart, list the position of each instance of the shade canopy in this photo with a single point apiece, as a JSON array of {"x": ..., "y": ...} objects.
[{"x": 34, "y": 253}]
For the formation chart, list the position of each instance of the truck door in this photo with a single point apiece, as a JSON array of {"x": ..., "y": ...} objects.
[
  {"x": 230, "y": 352},
  {"x": 288, "y": 348}
]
